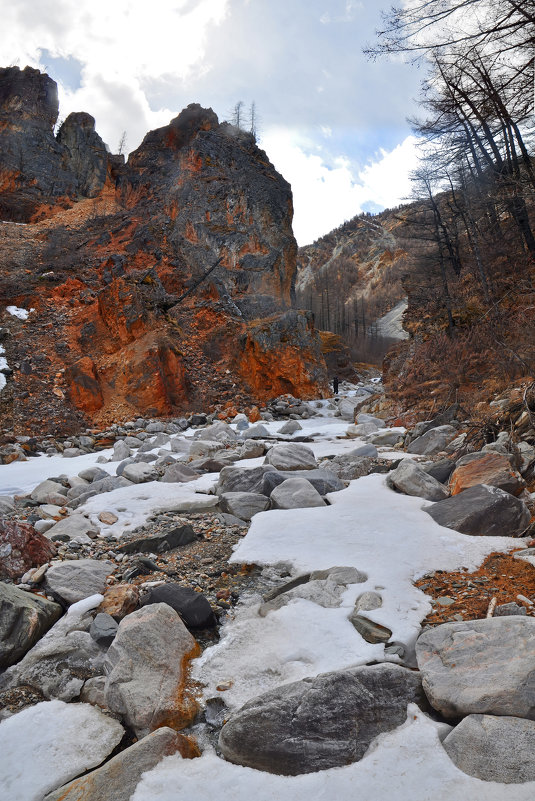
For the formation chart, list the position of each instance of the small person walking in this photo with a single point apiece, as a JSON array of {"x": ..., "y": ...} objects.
[{"x": 335, "y": 385}]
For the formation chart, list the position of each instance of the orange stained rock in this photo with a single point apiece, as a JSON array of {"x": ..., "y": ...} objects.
[
  {"x": 120, "y": 600},
  {"x": 493, "y": 469}
]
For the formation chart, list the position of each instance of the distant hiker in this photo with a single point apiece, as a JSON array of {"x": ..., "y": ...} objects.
[{"x": 335, "y": 385}]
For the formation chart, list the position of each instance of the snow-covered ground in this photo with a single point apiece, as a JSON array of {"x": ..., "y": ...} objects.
[{"x": 385, "y": 535}]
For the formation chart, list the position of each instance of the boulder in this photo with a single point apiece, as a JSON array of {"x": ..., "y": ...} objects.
[
  {"x": 22, "y": 547},
  {"x": 46, "y": 488},
  {"x": 179, "y": 474},
  {"x": 193, "y": 607},
  {"x": 93, "y": 474},
  {"x": 256, "y": 432},
  {"x": 347, "y": 406},
  {"x": 117, "y": 779},
  {"x": 103, "y": 629},
  {"x": 241, "y": 479},
  {"x": 120, "y": 451},
  {"x": 60, "y": 662},
  {"x": 387, "y": 437},
  {"x": 75, "y": 527},
  {"x": 364, "y": 418},
  {"x": 440, "y": 470},
  {"x": 159, "y": 543},
  {"x": 433, "y": 441},
  {"x": 24, "y": 618},
  {"x": 243, "y": 505},
  {"x": 361, "y": 430},
  {"x": 290, "y": 427},
  {"x": 322, "y": 722},
  {"x": 74, "y": 580},
  {"x": 482, "y": 510},
  {"x": 493, "y": 469},
  {"x": 48, "y": 744},
  {"x": 119, "y": 600},
  {"x": 145, "y": 668},
  {"x": 324, "y": 481},
  {"x": 480, "y": 666},
  {"x": 494, "y": 749},
  {"x": 140, "y": 472},
  {"x": 252, "y": 449},
  {"x": 295, "y": 493},
  {"x": 291, "y": 456},
  {"x": 410, "y": 479},
  {"x": 217, "y": 432}
]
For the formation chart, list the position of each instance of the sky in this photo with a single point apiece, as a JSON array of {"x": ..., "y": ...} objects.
[{"x": 332, "y": 122}]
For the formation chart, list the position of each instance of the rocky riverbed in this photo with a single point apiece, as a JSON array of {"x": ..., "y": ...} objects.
[{"x": 199, "y": 604}]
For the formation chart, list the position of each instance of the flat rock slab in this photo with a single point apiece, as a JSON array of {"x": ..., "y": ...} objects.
[
  {"x": 24, "y": 618},
  {"x": 140, "y": 472},
  {"x": 145, "y": 668},
  {"x": 46, "y": 745},
  {"x": 118, "y": 778},
  {"x": 482, "y": 510},
  {"x": 193, "y": 608},
  {"x": 159, "y": 543},
  {"x": 493, "y": 469},
  {"x": 410, "y": 479},
  {"x": 22, "y": 547},
  {"x": 291, "y": 456},
  {"x": 494, "y": 749},
  {"x": 480, "y": 667},
  {"x": 321, "y": 722},
  {"x": 75, "y": 580},
  {"x": 179, "y": 474}
]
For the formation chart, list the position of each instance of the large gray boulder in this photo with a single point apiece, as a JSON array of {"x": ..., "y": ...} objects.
[
  {"x": 24, "y": 618},
  {"x": 241, "y": 479},
  {"x": 412, "y": 480},
  {"x": 386, "y": 437},
  {"x": 140, "y": 472},
  {"x": 291, "y": 456},
  {"x": 46, "y": 488},
  {"x": 482, "y": 510},
  {"x": 74, "y": 580},
  {"x": 179, "y": 474},
  {"x": 117, "y": 779},
  {"x": 324, "y": 481},
  {"x": 480, "y": 666},
  {"x": 60, "y": 662},
  {"x": 217, "y": 432},
  {"x": 494, "y": 749},
  {"x": 243, "y": 504},
  {"x": 433, "y": 441},
  {"x": 295, "y": 493},
  {"x": 321, "y": 722},
  {"x": 145, "y": 669}
]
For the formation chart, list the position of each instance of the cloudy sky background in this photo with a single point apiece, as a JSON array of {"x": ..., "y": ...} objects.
[{"x": 332, "y": 122}]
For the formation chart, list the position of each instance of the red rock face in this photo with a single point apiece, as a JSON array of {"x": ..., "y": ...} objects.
[
  {"x": 130, "y": 318},
  {"x": 22, "y": 547}
]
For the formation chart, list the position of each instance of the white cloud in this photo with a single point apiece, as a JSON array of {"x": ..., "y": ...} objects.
[
  {"x": 121, "y": 46},
  {"x": 325, "y": 196}
]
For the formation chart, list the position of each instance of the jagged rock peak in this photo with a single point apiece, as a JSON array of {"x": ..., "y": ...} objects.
[{"x": 28, "y": 93}]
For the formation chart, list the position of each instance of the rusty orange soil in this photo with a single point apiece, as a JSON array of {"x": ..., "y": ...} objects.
[{"x": 501, "y": 576}]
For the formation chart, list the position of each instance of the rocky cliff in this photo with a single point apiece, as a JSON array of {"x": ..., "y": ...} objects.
[{"x": 157, "y": 286}]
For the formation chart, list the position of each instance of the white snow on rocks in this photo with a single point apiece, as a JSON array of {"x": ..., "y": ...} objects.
[
  {"x": 49, "y": 744},
  {"x": 16, "y": 311}
]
